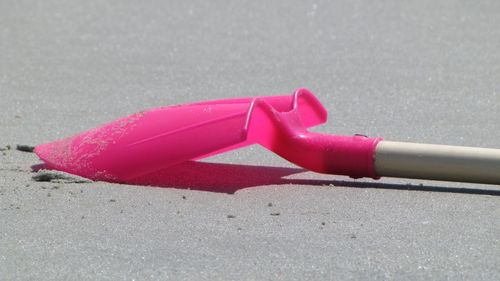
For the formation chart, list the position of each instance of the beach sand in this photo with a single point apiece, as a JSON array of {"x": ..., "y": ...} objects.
[{"x": 423, "y": 71}]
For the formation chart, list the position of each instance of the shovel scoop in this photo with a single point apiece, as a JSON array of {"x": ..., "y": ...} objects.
[
  {"x": 158, "y": 138},
  {"x": 155, "y": 139}
]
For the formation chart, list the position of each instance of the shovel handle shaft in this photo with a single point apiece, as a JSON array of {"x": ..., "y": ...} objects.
[{"x": 437, "y": 162}]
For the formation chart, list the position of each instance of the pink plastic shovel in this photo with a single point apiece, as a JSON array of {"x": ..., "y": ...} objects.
[{"x": 153, "y": 140}]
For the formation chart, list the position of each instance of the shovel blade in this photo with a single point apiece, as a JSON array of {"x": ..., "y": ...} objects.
[{"x": 155, "y": 139}]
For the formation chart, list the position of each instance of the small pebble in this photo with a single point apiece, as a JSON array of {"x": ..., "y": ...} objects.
[{"x": 25, "y": 148}]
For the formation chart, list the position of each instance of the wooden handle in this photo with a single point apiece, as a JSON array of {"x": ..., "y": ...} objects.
[{"x": 437, "y": 162}]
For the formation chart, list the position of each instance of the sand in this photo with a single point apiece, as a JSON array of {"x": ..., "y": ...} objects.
[{"x": 420, "y": 71}]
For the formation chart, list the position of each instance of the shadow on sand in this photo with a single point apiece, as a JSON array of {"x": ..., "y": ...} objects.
[{"x": 229, "y": 178}]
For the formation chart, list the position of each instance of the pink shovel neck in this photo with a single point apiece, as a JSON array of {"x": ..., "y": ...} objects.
[
  {"x": 352, "y": 156},
  {"x": 285, "y": 133}
]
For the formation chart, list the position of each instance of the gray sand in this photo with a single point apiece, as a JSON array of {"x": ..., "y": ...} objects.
[
  {"x": 423, "y": 71},
  {"x": 58, "y": 177}
]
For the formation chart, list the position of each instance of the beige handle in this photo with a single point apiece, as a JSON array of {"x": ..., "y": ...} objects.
[{"x": 437, "y": 162}]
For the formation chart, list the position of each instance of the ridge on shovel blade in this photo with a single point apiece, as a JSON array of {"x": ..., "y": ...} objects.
[{"x": 155, "y": 139}]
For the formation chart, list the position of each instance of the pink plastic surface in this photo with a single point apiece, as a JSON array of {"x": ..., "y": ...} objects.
[
  {"x": 285, "y": 134},
  {"x": 151, "y": 140}
]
